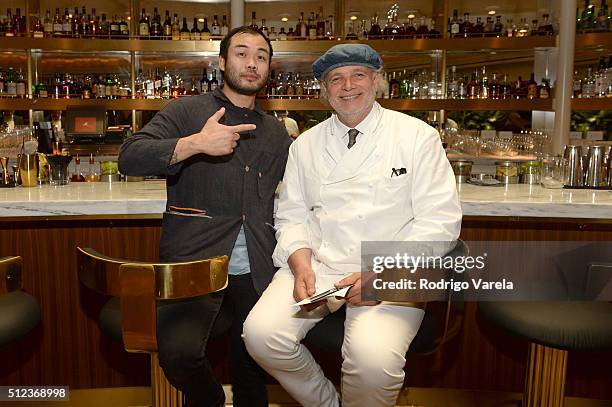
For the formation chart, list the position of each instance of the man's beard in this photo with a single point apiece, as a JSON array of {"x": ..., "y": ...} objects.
[{"x": 233, "y": 81}]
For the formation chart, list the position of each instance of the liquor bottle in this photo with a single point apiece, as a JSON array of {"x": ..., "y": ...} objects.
[
  {"x": 224, "y": 26},
  {"x": 157, "y": 84},
  {"x": 299, "y": 86},
  {"x": 66, "y": 24},
  {"x": 478, "y": 28},
  {"x": 394, "y": 86},
  {"x": 410, "y": 29},
  {"x": 546, "y": 28},
  {"x": 264, "y": 28},
  {"x": 494, "y": 87},
  {"x": 143, "y": 25},
  {"x": 422, "y": 30},
  {"x": 205, "y": 33},
  {"x": 466, "y": 26},
  {"x": 57, "y": 24},
  {"x": 290, "y": 86},
  {"x": 166, "y": 85},
  {"x": 544, "y": 91},
  {"x": 282, "y": 35},
  {"x": 20, "y": 23},
  {"x": 41, "y": 90},
  {"x": 216, "y": 27},
  {"x": 87, "y": 91},
  {"x": 281, "y": 87},
  {"x": 462, "y": 87},
  {"x": 184, "y": 34},
  {"x": 301, "y": 28},
  {"x": 92, "y": 175},
  {"x": 498, "y": 28},
  {"x": 124, "y": 28},
  {"x": 37, "y": 28},
  {"x": 505, "y": 90},
  {"x": 587, "y": 17},
  {"x": 392, "y": 29},
  {"x": 273, "y": 35},
  {"x": 602, "y": 23},
  {"x": 75, "y": 22},
  {"x": 362, "y": 33},
  {"x": 77, "y": 175},
  {"x": 104, "y": 30},
  {"x": 535, "y": 28},
  {"x": 155, "y": 30},
  {"x": 2, "y": 84},
  {"x": 48, "y": 24},
  {"x": 375, "y": 30},
  {"x": 452, "y": 84},
  {"x": 312, "y": 27},
  {"x": 601, "y": 78},
  {"x": 320, "y": 24},
  {"x": 489, "y": 28},
  {"x": 9, "y": 26},
  {"x": 254, "y": 21},
  {"x": 454, "y": 25},
  {"x": 194, "y": 88},
  {"x": 115, "y": 30},
  {"x": 532, "y": 88},
  {"x": 433, "y": 31},
  {"x": 20, "y": 86},
  {"x": 176, "y": 28},
  {"x": 472, "y": 87},
  {"x": 576, "y": 86},
  {"x": 167, "y": 30},
  {"x": 204, "y": 81},
  {"x": 11, "y": 83},
  {"x": 94, "y": 24},
  {"x": 291, "y": 34},
  {"x": 195, "y": 32},
  {"x": 213, "y": 84},
  {"x": 351, "y": 32},
  {"x": 271, "y": 86}
]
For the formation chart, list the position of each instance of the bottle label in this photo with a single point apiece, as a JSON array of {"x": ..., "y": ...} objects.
[
  {"x": 454, "y": 28},
  {"x": 312, "y": 33},
  {"x": 57, "y": 28},
  {"x": 21, "y": 89},
  {"x": 224, "y": 30},
  {"x": 205, "y": 35},
  {"x": 123, "y": 28},
  {"x": 213, "y": 86},
  {"x": 143, "y": 29},
  {"x": 11, "y": 89},
  {"x": 184, "y": 36},
  {"x": 67, "y": 28},
  {"x": 43, "y": 93},
  {"x": 114, "y": 27},
  {"x": 216, "y": 30}
]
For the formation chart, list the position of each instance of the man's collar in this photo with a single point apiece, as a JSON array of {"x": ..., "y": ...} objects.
[{"x": 218, "y": 93}]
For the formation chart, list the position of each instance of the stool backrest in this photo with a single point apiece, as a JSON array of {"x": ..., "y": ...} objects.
[
  {"x": 10, "y": 274},
  {"x": 140, "y": 285}
]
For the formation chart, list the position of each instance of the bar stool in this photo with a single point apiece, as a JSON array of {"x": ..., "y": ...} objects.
[
  {"x": 442, "y": 322},
  {"x": 19, "y": 311},
  {"x": 553, "y": 328},
  {"x": 136, "y": 287}
]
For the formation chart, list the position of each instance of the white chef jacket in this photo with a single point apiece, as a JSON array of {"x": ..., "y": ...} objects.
[{"x": 333, "y": 198}]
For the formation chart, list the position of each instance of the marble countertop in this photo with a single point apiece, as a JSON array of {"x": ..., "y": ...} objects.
[{"x": 148, "y": 199}]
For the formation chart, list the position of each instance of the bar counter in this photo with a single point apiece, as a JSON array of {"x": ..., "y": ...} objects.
[
  {"x": 45, "y": 224},
  {"x": 147, "y": 200}
]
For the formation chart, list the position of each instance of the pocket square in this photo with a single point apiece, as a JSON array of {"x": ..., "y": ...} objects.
[{"x": 396, "y": 172}]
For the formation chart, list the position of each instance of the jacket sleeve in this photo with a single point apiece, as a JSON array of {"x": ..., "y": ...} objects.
[
  {"x": 291, "y": 215},
  {"x": 149, "y": 151},
  {"x": 435, "y": 202}
]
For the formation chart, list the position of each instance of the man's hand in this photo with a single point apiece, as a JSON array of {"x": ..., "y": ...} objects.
[
  {"x": 304, "y": 278},
  {"x": 214, "y": 139},
  {"x": 353, "y": 295}
]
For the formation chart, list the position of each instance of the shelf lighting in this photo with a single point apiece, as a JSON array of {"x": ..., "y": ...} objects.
[
  {"x": 284, "y": 19},
  {"x": 353, "y": 18}
]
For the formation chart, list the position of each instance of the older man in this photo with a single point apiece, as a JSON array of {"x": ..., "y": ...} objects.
[{"x": 366, "y": 173}]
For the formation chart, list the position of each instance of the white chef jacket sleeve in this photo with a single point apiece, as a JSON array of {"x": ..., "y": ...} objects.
[
  {"x": 291, "y": 232},
  {"x": 435, "y": 202}
]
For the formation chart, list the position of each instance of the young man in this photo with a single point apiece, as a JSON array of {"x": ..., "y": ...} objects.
[
  {"x": 223, "y": 158},
  {"x": 366, "y": 173}
]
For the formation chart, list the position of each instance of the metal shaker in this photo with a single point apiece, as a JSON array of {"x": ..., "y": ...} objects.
[
  {"x": 596, "y": 171},
  {"x": 573, "y": 172}
]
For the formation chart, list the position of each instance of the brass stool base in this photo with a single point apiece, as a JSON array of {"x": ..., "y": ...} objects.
[{"x": 545, "y": 378}]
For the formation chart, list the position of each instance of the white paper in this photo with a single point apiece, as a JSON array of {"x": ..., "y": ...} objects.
[{"x": 317, "y": 297}]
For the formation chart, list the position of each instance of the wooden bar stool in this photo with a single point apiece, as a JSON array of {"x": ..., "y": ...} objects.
[
  {"x": 136, "y": 287},
  {"x": 19, "y": 311},
  {"x": 553, "y": 328}
]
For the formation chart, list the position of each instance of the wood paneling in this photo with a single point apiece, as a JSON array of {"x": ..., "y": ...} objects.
[{"x": 68, "y": 349}]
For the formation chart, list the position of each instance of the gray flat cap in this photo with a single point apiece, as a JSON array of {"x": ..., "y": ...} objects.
[{"x": 345, "y": 55}]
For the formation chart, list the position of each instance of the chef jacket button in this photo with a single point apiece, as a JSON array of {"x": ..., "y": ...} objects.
[
  {"x": 243, "y": 216},
  {"x": 247, "y": 168},
  {"x": 360, "y": 216}
]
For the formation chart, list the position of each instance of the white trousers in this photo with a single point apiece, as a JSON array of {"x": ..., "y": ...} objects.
[{"x": 376, "y": 339}]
